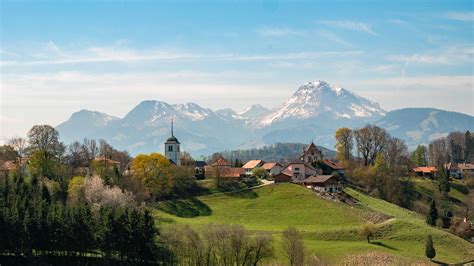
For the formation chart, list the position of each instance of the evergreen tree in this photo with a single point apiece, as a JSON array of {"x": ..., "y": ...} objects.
[
  {"x": 432, "y": 214},
  {"x": 430, "y": 251},
  {"x": 443, "y": 182}
]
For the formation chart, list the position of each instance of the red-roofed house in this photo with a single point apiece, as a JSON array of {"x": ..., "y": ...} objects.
[
  {"x": 426, "y": 171},
  {"x": 272, "y": 168},
  {"x": 330, "y": 167},
  {"x": 252, "y": 164},
  {"x": 231, "y": 174}
]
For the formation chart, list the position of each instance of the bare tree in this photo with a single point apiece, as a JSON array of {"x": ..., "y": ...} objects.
[
  {"x": 293, "y": 246},
  {"x": 19, "y": 145},
  {"x": 364, "y": 143},
  {"x": 397, "y": 153},
  {"x": 438, "y": 152},
  {"x": 76, "y": 155}
]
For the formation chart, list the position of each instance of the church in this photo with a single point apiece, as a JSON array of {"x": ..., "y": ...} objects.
[{"x": 172, "y": 151}]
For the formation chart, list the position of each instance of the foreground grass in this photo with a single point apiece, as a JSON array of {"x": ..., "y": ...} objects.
[{"x": 329, "y": 229}]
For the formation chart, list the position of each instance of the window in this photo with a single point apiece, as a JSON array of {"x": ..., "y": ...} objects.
[
  {"x": 170, "y": 148},
  {"x": 177, "y": 149}
]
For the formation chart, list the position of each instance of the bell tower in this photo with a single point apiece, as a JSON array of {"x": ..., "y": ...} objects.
[{"x": 172, "y": 149}]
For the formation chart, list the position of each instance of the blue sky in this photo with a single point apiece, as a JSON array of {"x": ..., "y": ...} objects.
[{"x": 58, "y": 57}]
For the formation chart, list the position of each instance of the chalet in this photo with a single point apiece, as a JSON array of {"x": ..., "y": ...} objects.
[
  {"x": 311, "y": 154},
  {"x": 299, "y": 171},
  {"x": 252, "y": 164},
  {"x": 453, "y": 170},
  {"x": 272, "y": 168},
  {"x": 231, "y": 174},
  {"x": 466, "y": 169},
  {"x": 323, "y": 183},
  {"x": 329, "y": 167},
  {"x": 425, "y": 171},
  {"x": 282, "y": 178},
  {"x": 216, "y": 168}
]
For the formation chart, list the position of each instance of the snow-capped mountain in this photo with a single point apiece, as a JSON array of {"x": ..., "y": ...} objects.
[
  {"x": 254, "y": 111},
  {"x": 314, "y": 112},
  {"x": 318, "y": 99}
]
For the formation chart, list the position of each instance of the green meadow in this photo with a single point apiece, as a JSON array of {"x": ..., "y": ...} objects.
[{"x": 329, "y": 229}]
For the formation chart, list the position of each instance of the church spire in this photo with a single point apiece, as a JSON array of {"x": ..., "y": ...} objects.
[{"x": 172, "y": 134}]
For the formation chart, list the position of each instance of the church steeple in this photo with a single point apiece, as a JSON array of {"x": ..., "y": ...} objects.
[{"x": 172, "y": 144}]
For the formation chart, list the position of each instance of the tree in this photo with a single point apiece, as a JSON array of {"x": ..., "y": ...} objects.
[
  {"x": 432, "y": 214},
  {"x": 367, "y": 231},
  {"x": 75, "y": 189},
  {"x": 371, "y": 140},
  {"x": 443, "y": 181},
  {"x": 344, "y": 144},
  {"x": 430, "y": 251},
  {"x": 438, "y": 152},
  {"x": 419, "y": 156},
  {"x": 45, "y": 138},
  {"x": 154, "y": 171},
  {"x": 260, "y": 173},
  {"x": 293, "y": 246},
  {"x": 469, "y": 206}
]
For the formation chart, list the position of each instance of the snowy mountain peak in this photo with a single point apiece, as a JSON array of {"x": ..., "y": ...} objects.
[
  {"x": 318, "y": 98},
  {"x": 254, "y": 111}
]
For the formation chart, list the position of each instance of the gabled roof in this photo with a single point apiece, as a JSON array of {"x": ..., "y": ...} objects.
[
  {"x": 466, "y": 166},
  {"x": 269, "y": 166},
  {"x": 310, "y": 146},
  {"x": 318, "y": 179},
  {"x": 425, "y": 169},
  {"x": 231, "y": 172},
  {"x": 252, "y": 164},
  {"x": 221, "y": 162},
  {"x": 332, "y": 165},
  {"x": 301, "y": 162},
  {"x": 200, "y": 164}
]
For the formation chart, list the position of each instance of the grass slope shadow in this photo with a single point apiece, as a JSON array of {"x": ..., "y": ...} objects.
[{"x": 186, "y": 208}]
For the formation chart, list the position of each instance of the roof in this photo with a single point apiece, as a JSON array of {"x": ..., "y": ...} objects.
[
  {"x": 310, "y": 147},
  {"x": 106, "y": 160},
  {"x": 466, "y": 166},
  {"x": 172, "y": 139},
  {"x": 269, "y": 166},
  {"x": 301, "y": 162},
  {"x": 332, "y": 165},
  {"x": 200, "y": 164},
  {"x": 221, "y": 162},
  {"x": 252, "y": 164},
  {"x": 318, "y": 179},
  {"x": 425, "y": 169},
  {"x": 8, "y": 166},
  {"x": 232, "y": 172}
]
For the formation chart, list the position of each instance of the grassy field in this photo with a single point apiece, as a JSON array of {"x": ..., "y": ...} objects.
[
  {"x": 329, "y": 228},
  {"x": 426, "y": 188}
]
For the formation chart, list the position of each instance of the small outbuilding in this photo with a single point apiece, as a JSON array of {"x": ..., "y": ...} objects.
[{"x": 323, "y": 183}]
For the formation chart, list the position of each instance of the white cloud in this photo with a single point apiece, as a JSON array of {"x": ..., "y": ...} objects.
[
  {"x": 449, "y": 56},
  {"x": 349, "y": 25},
  {"x": 461, "y": 16},
  {"x": 331, "y": 36},
  {"x": 279, "y": 31},
  {"x": 58, "y": 56}
]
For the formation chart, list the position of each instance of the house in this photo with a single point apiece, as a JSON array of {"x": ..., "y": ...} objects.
[
  {"x": 323, "y": 183},
  {"x": 216, "y": 168},
  {"x": 199, "y": 169},
  {"x": 330, "y": 167},
  {"x": 272, "y": 168},
  {"x": 252, "y": 164},
  {"x": 453, "y": 170},
  {"x": 282, "y": 178},
  {"x": 231, "y": 174},
  {"x": 222, "y": 163},
  {"x": 425, "y": 171},
  {"x": 299, "y": 170},
  {"x": 311, "y": 154},
  {"x": 466, "y": 169}
]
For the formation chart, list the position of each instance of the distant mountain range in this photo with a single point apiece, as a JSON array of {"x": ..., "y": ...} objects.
[{"x": 314, "y": 112}]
